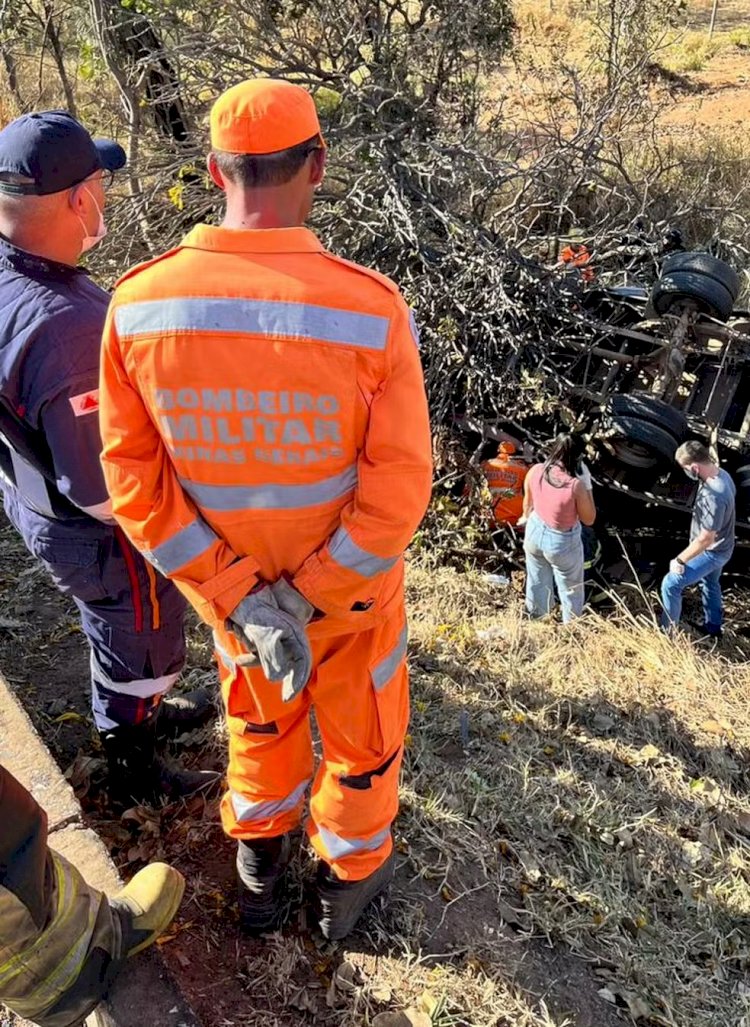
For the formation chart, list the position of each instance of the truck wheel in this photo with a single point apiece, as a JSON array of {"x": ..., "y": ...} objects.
[
  {"x": 710, "y": 296},
  {"x": 706, "y": 265},
  {"x": 652, "y": 409},
  {"x": 642, "y": 445}
]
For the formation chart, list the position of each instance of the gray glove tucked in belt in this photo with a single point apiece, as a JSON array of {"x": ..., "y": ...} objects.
[
  {"x": 292, "y": 601},
  {"x": 272, "y": 626}
]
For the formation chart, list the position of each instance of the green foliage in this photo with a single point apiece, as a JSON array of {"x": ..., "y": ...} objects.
[
  {"x": 147, "y": 7},
  {"x": 327, "y": 102},
  {"x": 89, "y": 61},
  {"x": 690, "y": 52},
  {"x": 740, "y": 38}
]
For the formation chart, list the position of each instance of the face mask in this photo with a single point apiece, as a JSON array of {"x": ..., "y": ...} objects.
[
  {"x": 92, "y": 240},
  {"x": 691, "y": 474}
]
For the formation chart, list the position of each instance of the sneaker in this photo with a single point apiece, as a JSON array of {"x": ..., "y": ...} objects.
[
  {"x": 261, "y": 871},
  {"x": 341, "y": 903},
  {"x": 148, "y": 905},
  {"x": 702, "y": 632}
]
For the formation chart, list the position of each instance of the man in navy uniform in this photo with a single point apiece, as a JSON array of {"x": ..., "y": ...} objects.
[{"x": 52, "y": 195}]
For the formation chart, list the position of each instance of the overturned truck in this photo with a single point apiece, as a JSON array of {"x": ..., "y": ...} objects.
[{"x": 654, "y": 367}]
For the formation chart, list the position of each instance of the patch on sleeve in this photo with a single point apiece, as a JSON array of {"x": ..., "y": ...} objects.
[{"x": 86, "y": 403}]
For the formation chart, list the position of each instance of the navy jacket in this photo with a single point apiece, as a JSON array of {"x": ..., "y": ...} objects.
[{"x": 51, "y": 320}]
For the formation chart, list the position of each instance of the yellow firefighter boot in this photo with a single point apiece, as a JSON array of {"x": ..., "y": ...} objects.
[{"x": 148, "y": 905}]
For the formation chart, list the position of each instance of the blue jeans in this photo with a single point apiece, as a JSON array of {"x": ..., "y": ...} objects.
[
  {"x": 704, "y": 570},
  {"x": 553, "y": 558}
]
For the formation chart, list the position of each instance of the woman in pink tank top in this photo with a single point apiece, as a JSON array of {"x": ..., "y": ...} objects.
[{"x": 557, "y": 500}]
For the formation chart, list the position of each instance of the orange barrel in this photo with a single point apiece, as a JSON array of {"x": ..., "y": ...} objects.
[{"x": 505, "y": 476}]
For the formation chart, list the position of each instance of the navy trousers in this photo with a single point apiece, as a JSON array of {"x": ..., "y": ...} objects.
[{"x": 132, "y": 617}]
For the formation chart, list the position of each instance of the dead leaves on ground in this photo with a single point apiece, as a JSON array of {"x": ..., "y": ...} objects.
[
  {"x": 349, "y": 982},
  {"x": 83, "y": 770},
  {"x": 641, "y": 1009}
]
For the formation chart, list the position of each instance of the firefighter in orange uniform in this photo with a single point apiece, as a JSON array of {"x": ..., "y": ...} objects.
[
  {"x": 578, "y": 255},
  {"x": 267, "y": 447},
  {"x": 505, "y": 476}
]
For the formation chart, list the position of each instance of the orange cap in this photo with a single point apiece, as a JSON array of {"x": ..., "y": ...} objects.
[
  {"x": 263, "y": 115},
  {"x": 507, "y": 448}
]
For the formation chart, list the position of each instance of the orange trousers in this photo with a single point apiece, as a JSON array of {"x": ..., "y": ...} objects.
[{"x": 359, "y": 691}]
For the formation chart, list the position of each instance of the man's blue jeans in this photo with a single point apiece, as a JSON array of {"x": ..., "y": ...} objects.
[
  {"x": 704, "y": 570},
  {"x": 553, "y": 558}
]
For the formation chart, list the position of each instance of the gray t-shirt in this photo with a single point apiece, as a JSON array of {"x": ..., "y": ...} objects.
[{"x": 714, "y": 511}]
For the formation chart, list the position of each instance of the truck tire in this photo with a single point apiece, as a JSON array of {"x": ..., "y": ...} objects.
[
  {"x": 742, "y": 475},
  {"x": 651, "y": 409},
  {"x": 645, "y": 444},
  {"x": 706, "y": 265},
  {"x": 710, "y": 296}
]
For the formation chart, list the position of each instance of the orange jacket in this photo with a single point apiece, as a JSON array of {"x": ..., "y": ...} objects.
[{"x": 263, "y": 411}]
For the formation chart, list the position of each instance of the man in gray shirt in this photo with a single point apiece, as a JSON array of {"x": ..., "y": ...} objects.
[{"x": 711, "y": 540}]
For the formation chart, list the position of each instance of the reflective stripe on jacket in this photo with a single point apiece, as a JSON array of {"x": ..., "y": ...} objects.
[
  {"x": 59, "y": 940},
  {"x": 263, "y": 411}
]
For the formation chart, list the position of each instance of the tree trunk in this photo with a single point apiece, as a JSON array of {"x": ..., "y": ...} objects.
[
  {"x": 714, "y": 12},
  {"x": 53, "y": 35},
  {"x": 611, "y": 44},
  {"x": 107, "y": 21},
  {"x": 12, "y": 75},
  {"x": 134, "y": 44}
]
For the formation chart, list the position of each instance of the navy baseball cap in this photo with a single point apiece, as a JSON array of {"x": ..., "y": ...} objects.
[{"x": 53, "y": 150}]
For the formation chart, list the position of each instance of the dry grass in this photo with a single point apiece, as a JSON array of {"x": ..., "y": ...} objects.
[
  {"x": 692, "y": 51},
  {"x": 606, "y": 764}
]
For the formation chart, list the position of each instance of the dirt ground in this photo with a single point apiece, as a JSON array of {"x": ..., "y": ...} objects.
[
  {"x": 722, "y": 100},
  {"x": 710, "y": 98},
  {"x": 553, "y": 839}
]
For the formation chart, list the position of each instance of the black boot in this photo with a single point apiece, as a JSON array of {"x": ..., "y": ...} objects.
[
  {"x": 261, "y": 867},
  {"x": 137, "y": 774},
  {"x": 183, "y": 711},
  {"x": 341, "y": 903}
]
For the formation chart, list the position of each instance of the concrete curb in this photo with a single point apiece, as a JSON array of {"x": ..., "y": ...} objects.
[{"x": 146, "y": 993}]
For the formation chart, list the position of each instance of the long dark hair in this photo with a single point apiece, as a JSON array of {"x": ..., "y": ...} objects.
[{"x": 567, "y": 451}]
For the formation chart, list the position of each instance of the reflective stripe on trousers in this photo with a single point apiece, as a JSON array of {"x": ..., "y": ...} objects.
[
  {"x": 249, "y": 812},
  {"x": 31, "y": 484},
  {"x": 131, "y": 701},
  {"x": 384, "y": 670},
  {"x": 43, "y": 980},
  {"x": 338, "y": 847},
  {"x": 67, "y": 969}
]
